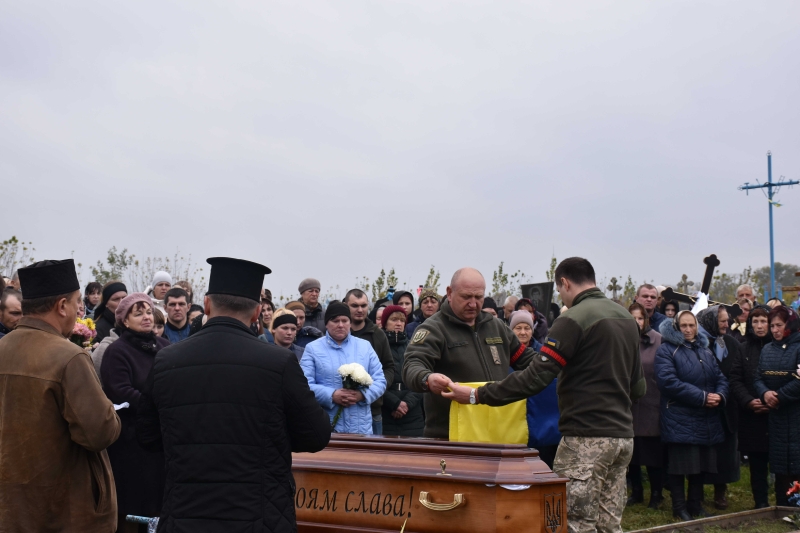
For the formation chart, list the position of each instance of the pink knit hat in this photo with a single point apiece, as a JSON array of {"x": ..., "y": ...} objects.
[
  {"x": 520, "y": 317},
  {"x": 128, "y": 302}
]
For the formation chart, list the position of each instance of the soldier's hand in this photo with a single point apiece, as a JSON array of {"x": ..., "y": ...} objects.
[
  {"x": 438, "y": 383},
  {"x": 459, "y": 393}
]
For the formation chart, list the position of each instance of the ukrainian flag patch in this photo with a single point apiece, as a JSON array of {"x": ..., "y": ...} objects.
[{"x": 551, "y": 342}]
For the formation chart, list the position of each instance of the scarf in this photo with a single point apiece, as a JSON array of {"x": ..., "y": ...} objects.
[
  {"x": 708, "y": 320},
  {"x": 145, "y": 342}
]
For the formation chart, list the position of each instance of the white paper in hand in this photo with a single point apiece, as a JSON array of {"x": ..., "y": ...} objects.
[
  {"x": 123, "y": 405},
  {"x": 700, "y": 304}
]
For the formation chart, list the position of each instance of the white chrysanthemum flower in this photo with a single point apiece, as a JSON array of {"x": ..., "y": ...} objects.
[
  {"x": 362, "y": 376},
  {"x": 346, "y": 370},
  {"x": 355, "y": 372}
]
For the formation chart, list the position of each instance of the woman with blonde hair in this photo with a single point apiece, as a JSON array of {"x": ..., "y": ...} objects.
[{"x": 284, "y": 330}]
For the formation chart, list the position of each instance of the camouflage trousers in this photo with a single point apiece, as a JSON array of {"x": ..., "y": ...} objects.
[{"x": 596, "y": 468}]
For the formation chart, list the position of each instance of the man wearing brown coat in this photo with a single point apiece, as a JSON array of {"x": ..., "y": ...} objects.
[{"x": 56, "y": 422}]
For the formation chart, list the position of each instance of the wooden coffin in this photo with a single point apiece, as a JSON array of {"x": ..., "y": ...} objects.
[{"x": 369, "y": 483}]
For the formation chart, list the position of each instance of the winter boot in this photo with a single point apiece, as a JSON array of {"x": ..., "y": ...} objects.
[
  {"x": 678, "y": 498},
  {"x": 694, "y": 502},
  {"x": 655, "y": 500},
  {"x": 720, "y": 501},
  {"x": 637, "y": 496}
]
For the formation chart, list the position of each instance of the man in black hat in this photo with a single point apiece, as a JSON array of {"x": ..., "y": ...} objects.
[
  {"x": 229, "y": 410},
  {"x": 56, "y": 421}
]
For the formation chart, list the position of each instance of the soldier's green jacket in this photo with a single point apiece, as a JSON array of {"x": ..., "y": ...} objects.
[
  {"x": 593, "y": 347},
  {"x": 447, "y": 345}
]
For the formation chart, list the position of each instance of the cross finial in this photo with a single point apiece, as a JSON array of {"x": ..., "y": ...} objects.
[{"x": 613, "y": 287}]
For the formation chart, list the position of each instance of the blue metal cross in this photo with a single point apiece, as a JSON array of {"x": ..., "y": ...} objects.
[{"x": 772, "y": 188}]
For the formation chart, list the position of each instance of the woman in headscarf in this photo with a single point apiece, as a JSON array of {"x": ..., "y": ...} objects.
[
  {"x": 693, "y": 389},
  {"x": 648, "y": 449},
  {"x": 714, "y": 326},
  {"x": 753, "y": 413},
  {"x": 778, "y": 385}
]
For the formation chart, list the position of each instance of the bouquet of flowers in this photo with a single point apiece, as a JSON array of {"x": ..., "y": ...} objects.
[
  {"x": 83, "y": 332},
  {"x": 354, "y": 377},
  {"x": 794, "y": 498}
]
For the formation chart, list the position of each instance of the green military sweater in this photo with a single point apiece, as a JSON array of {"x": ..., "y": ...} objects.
[
  {"x": 447, "y": 345},
  {"x": 593, "y": 347}
]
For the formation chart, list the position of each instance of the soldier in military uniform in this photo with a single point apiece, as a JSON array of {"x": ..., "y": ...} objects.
[
  {"x": 461, "y": 343},
  {"x": 593, "y": 348}
]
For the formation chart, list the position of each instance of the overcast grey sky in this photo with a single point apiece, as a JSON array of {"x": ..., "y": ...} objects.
[{"x": 330, "y": 139}]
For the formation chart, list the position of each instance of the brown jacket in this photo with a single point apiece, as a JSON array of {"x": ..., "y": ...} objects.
[
  {"x": 646, "y": 410},
  {"x": 55, "y": 424}
]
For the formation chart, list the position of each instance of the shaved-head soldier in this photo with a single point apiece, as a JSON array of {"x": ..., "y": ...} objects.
[{"x": 460, "y": 343}]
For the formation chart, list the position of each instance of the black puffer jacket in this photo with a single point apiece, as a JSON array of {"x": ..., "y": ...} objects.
[
  {"x": 230, "y": 410},
  {"x": 777, "y": 371},
  {"x": 413, "y": 423},
  {"x": 753, "y": 428}
]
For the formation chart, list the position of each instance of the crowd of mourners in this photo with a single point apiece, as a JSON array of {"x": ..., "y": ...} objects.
[{"x": 721, "y": 389}]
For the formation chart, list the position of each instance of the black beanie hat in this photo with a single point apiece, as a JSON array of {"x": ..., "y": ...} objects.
[
  {"x": 489, "y": 303},
  {"x": 336, "y": 309},
  {"x": 288, "y": 318}
]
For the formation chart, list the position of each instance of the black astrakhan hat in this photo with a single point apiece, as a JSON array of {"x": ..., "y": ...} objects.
[
  {"x": 236, "y": 277},
  {"x": 48, "y": 278}
]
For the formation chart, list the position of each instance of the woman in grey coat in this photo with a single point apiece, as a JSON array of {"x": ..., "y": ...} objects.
[{"x": 648, "y": 450}]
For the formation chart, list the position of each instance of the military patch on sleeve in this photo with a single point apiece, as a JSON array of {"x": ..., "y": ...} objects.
[
  {"x": 551, "y": 342},
  {"x": 494, "y": 340},
  {"x": 419, "y": 336}
]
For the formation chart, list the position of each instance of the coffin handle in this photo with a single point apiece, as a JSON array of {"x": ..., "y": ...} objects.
[{"x": 458, "y": 501}]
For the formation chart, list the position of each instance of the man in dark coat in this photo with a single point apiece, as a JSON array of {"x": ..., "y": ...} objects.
[{"x": 229, "y": 410}]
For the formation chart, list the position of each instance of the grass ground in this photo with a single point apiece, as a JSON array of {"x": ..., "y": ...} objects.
[
  {"x": 740, "y": 498},
  {"x": 755, "y": 527}
]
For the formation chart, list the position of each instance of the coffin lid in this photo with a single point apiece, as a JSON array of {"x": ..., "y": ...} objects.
[{"x": 419, "y": 458}]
